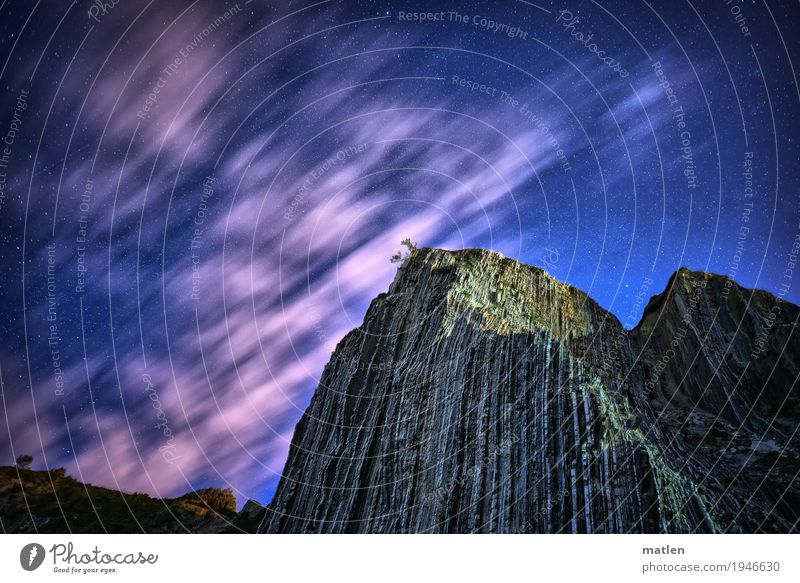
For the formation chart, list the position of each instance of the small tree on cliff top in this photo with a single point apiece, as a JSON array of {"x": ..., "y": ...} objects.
[
  {"x": 401, "y": 256},
  {"x": 24, "y": 462}
]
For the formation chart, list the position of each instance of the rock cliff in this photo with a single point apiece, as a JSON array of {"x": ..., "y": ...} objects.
[{"x": 482, "y": 395}]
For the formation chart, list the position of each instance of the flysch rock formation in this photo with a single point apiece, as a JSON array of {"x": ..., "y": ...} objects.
[{"x": 481, "y": 395}]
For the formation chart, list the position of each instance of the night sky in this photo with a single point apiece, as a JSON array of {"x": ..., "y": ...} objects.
[{"x": 199, "y": 199}]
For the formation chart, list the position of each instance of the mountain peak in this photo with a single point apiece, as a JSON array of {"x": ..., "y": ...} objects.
[{"x": 482, "y": 395}]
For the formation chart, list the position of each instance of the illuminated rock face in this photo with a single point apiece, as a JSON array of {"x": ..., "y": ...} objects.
[{"x": 482, "y": 395}]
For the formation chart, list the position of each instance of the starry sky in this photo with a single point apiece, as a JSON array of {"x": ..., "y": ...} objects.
[{"x": 198, "y": 199}]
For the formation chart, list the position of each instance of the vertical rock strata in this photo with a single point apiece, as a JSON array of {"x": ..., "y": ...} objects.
[
  {"x": 721, "y": 372},
  {"x": 482, "y": 395}
]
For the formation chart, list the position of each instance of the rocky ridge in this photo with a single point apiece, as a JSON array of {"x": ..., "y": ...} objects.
[
  {"x": 482, "y": 395},
  {"x": 40, "y": 501}
]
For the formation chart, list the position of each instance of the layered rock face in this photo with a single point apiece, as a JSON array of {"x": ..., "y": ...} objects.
[
  {"x": 721, "y": 369},
  {"x": 482, "y": 395}
]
